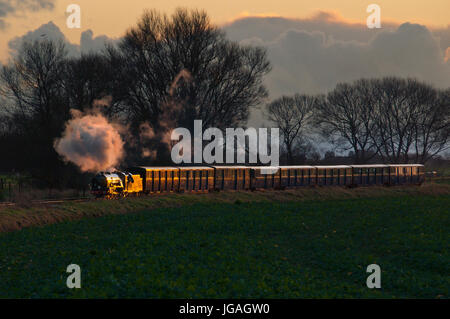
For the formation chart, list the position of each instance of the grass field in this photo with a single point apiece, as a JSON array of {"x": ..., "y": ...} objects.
[
  {"x": 444, "y": 180},
  {"x": 242, "y": 248}
]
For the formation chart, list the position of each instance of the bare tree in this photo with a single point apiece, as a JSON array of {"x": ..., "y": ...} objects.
[
  {"x": 343, "y": 117},
  {"x": 407, "y": 116},
  {"x": 392, "y": 118},
  {"x": 32, "y": 86},
  {"x": 292, "y": 115},
  {"x": 186, "y": 64},
  {"x": 431, "y": 129},
  {"x": 86, "y": 79}
]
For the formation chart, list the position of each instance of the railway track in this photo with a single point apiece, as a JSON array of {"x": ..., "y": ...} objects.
[
  {"x": 48, "y": 201},
  {"x": 86, "y": 199},
  {"x": 73, "y": 200}
]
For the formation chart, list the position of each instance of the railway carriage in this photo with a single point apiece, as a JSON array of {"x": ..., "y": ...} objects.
[
  {"x": 158, "y": 179},
  {"x": 345, "y": 176},
  {"x": 264, "y": 177},
  {"x": 150, "y": 180},
  {"x": 406, "y": 174},
  {"x": 370, "y": 174},
  {"x": 358, "y": 174},
  {"x": 232, "y": 177},
  {"x": 333, "y": 175},
  {"x": 196, "y": 179},
  {"x": 293, "y": 176}
]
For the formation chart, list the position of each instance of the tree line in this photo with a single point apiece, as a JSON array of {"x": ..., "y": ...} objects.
[
  {"x": 169, "y": 70},
  {"x": 393, "y": 120}
]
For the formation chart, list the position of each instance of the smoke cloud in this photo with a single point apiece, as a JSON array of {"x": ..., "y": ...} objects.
[
  {"x": 11, "y": 7},
  {"x": 146, "y": 152},
  {"x": 103, "y": 102},
  {"x": 91, "y": 142},
  {"x": 173, "y": 107}
]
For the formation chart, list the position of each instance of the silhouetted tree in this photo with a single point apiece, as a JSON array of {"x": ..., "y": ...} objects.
[
  {"x": 389, "y": 117},
  {"x": 431, "y": 129},
  {"x": 343, "y": 117},
  {"x": 172, "y": 70},
  {"x": 407, "y": 116},
  {"x": 329, "y": 155},
  {"x": 87, "y": 79},
  {"x": 292, "y": 115},
  {"x": 32, "y": 86}
]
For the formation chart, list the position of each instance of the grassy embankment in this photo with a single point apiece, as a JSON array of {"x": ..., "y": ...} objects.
[
  {"x": 24, "y": 214},
  {"x": 300, "y": 243}
]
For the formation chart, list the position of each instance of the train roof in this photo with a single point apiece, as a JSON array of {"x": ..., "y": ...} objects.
[
  {"x": 264, "y": 167},
  {"x": 195, "y": 167},
  {"x": 225, "y": 166},
  {"x": 332, "y": 166},
  {"x": 370, "y": 166},
  {"x": 156, "y": 168},
  {"x": 405, "y": 165},
  {"x": 296, "y": 166}
]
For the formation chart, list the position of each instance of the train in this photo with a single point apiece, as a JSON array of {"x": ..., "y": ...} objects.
[{"x": 152, "y": 180}]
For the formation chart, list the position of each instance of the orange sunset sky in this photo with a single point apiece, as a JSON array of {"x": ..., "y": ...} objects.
[{"x": 113, "y": 17}]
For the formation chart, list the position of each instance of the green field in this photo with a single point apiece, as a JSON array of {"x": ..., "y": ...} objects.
[{"x": 252, "y": 250}]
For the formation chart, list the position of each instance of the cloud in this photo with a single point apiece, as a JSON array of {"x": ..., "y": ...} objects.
[
  {"x": 90, "y": 142},
  {"x": 443, "y": 35},
  {"x": 46, "y": 31},
  {"x": 331, "y": 24},
  {"x": 309, "y": 62},
  {"x": 5, "y": 10},
  {"x": 88, "y": 42},
  {"x": 11, "y": 7},
  {"x": 312, "y": 56}
]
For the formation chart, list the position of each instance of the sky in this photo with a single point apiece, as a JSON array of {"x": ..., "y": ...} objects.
[
  {"x": 113, "y": 17},
  {"x": 312, "y": 44}
]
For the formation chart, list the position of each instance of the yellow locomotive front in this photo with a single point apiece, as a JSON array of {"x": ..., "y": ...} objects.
[{"x": 117, "y": 184}]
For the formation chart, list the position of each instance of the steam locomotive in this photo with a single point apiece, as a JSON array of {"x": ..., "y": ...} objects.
[{"x": 148, "y": 180}]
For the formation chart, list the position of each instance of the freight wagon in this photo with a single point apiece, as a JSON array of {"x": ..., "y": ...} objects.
[{"x": 150, "y": 180}]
